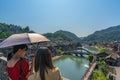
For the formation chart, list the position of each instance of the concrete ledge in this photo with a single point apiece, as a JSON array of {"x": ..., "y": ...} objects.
[{"x": 65, "y": 78}]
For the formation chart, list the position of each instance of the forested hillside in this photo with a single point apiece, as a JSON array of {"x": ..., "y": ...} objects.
[
  {"x": 63, "y": 35},
  {"x": 9, "y": 29},
  {"x": 111, "y": 33}
]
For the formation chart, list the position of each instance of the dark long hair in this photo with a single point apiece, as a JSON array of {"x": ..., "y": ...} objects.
[
  {"x": 15, "y": 49},
  {"x": 43, "y": 60}
]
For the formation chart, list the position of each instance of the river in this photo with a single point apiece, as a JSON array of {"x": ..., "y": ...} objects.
[{"x": 72, "y": 67}]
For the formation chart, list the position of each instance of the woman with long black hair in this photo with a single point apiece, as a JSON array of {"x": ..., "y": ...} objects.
[{"x": 43, "y": 66}]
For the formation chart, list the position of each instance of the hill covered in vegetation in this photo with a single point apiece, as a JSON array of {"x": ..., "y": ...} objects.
[
  {"x": 109, "y": 34},
  {"x": 8, "y": 29},
  {"x": 63, "y": 35}
]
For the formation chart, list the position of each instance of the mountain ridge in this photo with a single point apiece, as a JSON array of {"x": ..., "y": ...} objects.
[
  {"x": 65, "y": 35},
  {"x": 108, "y": 34}
]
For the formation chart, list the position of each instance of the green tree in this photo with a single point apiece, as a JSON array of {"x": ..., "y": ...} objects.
[
  {"x": 99, "y": 75},
  {"x": 90, "y": 57},
  {"x": 26, "y": 29},
  {"x": 8, "y": 29},
  {"x": 4, "y": 35},
  {"x": 102, "y": 49},
  {"x": 58, "y": 51}
]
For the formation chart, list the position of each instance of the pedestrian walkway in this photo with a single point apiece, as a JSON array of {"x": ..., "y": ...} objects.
[
  {"x": 117, "y": 73},
  {"x": 89, "y": 71}
]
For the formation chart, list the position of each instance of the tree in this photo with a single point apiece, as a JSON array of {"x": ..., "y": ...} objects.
[
  {"x": 99, "y": 75},
  {"x": 4, "y": 35},
  {"x": 8, "y": 29},
  {"x": 102, "y": 49},
  {"x": 26, "y": 29},
  {"x": 90, "y": 57}
]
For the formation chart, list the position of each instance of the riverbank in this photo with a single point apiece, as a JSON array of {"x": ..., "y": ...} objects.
[
  {"x": 89, "y": 71},
  {"x": 56, "y": 57}
]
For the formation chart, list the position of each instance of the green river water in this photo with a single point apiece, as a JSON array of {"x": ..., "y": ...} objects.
[{"x": 72, "y": 67}]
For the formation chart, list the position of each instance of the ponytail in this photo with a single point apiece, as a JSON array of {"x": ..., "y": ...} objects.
[{"x": 9, "y": 56}]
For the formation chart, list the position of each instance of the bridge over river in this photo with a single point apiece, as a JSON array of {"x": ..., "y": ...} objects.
[{"x": 78, "y": 52}]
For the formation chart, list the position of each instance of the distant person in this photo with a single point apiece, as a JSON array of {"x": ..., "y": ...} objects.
[
  {"x": 43, "y": 66},
  {"x": 17, "y": 66}
]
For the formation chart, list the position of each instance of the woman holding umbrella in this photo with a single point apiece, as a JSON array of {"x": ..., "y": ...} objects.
[{"x": 17, "y": 67}]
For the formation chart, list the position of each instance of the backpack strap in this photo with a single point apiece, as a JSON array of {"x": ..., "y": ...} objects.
[{"x": 20, "y": 74}]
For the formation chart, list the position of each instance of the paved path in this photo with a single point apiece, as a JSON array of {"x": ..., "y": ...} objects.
[
  {"x": 117, "y": 73},
  {"x": 89, "y": 71}
]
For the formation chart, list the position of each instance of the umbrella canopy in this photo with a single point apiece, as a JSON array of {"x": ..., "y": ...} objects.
[{"x": 23, "y": 38}]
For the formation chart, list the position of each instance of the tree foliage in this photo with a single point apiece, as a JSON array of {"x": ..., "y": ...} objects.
[
  {"x": 90, "y": 57},
  {"x": 57, "y": 37},
  {"x": 102, "y": 49},
  {"x": 63, "y": 35},
  {"x": 8, "y": 29},
  {"x": 99, "y": 75}
]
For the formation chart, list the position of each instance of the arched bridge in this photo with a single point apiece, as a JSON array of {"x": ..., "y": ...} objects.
[{"x": 78, "y": 52}]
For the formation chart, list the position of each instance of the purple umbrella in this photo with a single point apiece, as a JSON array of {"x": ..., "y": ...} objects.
[{"x": 23, "y": 38}]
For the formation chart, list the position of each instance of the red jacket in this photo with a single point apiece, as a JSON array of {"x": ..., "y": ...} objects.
[{"x": 14, "y": 72}]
